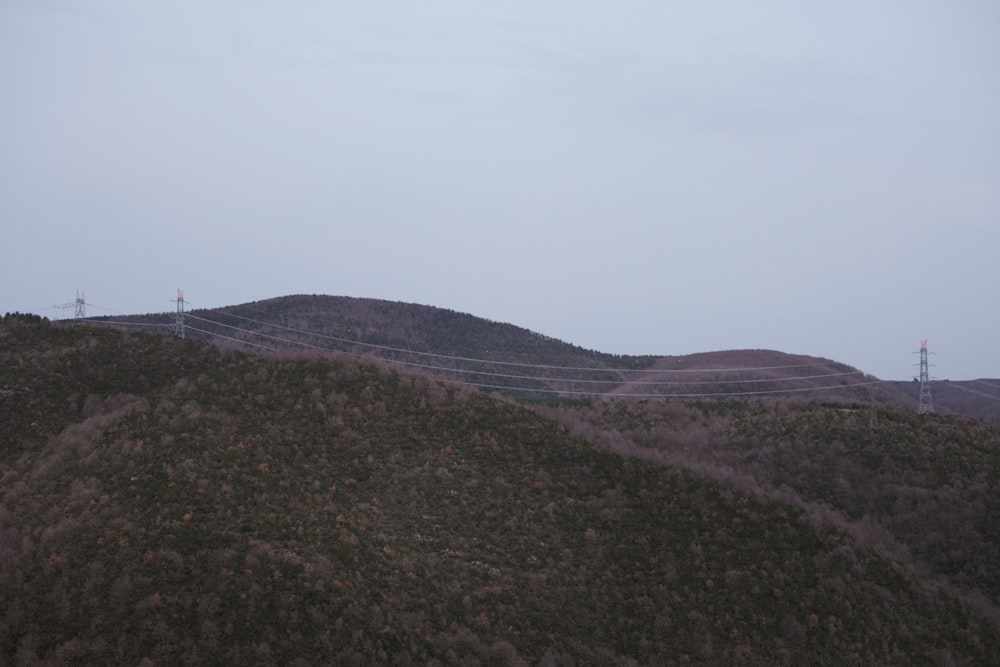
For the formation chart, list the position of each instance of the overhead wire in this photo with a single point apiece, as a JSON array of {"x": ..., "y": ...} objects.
[
  {"x": 972, "y": 391},
  {"x": 690, "y": 395},
  {"x": 548, "y": 379},
  {"x": 218, "y": 335},
  {"x": 252, "y": 333},
  {"x": 516, "y": 363},
  {"x": 510, "y": 376},
  {"x": 110, "y": 310},
  {"x": 96, "y": 320},
  {"x": 535, "y": 377},
  {"x": 991, "y": 385},
  {"x": 467, "y": 371},
  {"x": 396, "y": 361}
]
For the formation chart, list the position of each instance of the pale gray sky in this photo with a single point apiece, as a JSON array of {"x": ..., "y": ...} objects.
[{"x": 635, "y": 177}]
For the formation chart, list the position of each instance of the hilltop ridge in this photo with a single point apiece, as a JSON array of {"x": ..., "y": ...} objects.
[{"x": 504, "y": 357}]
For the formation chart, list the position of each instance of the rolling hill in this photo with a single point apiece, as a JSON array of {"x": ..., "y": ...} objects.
[
  {"x": 503, "y": 357},
  {"x": 164, "y": 501}
]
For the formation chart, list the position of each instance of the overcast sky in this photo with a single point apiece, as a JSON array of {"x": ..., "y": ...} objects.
[{"x": 635, "y": 177}]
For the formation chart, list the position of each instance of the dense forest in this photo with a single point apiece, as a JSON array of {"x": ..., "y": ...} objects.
[
  {"x": 166, "y": 501},
  {"x": 923, "y": 487}
]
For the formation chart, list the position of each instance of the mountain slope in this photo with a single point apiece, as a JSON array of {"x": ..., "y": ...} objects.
[
  {"x": 926, "y": 487},
  {"x": 503, "y": 357},
  {"x": 165, "y": 502}
]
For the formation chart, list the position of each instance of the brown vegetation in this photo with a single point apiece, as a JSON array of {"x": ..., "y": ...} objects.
[{"x": 165, "y": 502}]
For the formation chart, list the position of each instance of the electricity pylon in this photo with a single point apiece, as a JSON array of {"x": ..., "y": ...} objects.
[
  {"x": 924, "y": 404},
  {"x": 179, "y": 322},
  {"x": 79, "y": 306}
]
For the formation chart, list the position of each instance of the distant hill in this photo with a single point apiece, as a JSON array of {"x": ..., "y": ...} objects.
[
  {"x": 165, "y": 501},
  {"x": 504, "y": 357},
  {"x": 408, "y": 326}
]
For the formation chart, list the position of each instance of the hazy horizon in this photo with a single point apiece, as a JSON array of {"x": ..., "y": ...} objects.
[{"x": 646, "y": 178}]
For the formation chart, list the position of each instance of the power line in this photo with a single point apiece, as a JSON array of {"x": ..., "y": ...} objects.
[
  {"x": 466, "y": 371},
  {"x": 752, "y": 381},
  {"x": 535, "y": 377},
  {"x": 253, "y": 333},
  {"x": 116, "y": 312},
  {"x": 973, "y": 391},
  {"x": 97, "y": 320},
  {"x": 990, "y": 385},
  {"x": 515, "y": 363},
  {"x": 693, "y": 395},
  {"x": 519, "y": 377},
  {"x": 218, "y": 335}
]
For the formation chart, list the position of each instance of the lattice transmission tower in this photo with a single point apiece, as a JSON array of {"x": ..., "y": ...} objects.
[
  {"x": 924, "y": 404},
  {"x": 179, "y": 322},
  {"x": 81, "y": 308}
]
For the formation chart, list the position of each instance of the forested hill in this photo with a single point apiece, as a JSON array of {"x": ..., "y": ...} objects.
[
  {"x": 501, "y": 356},
  {"x": 164, "y": 501},
  {"x": 377, "y": 324}
]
